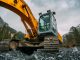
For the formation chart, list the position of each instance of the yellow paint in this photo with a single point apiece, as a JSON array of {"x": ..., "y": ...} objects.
[
  {"x": 25, "y": 14},
  {"x": 60, "y": 37}
]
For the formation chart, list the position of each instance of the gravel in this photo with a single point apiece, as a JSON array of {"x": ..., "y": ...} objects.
[{"x": 63, "y": 54}]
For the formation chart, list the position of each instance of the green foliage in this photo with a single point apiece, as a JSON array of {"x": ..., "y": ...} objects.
[
  {"x": 5, "y": 32},
  {"x": 72, "y": 38}
]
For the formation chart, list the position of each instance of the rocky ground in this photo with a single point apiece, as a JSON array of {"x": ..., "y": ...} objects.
[{"x": 63, "y": 54}]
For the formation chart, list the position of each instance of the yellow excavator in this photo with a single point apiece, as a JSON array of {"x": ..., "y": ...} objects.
[{"x": 39, "y": 33}]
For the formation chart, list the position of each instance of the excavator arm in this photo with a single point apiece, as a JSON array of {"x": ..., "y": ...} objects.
[{"x": 22, "y": 9}]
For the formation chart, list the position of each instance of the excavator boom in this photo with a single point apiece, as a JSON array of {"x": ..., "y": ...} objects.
[{"x": 22, "y": 9}]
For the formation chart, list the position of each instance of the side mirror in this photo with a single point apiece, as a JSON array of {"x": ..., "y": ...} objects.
[
  {"x": 40, "y": 14},
  {"x": 54, "y": 13}
]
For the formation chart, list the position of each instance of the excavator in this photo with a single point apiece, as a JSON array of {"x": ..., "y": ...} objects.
[{"x": 40, "y": 33}]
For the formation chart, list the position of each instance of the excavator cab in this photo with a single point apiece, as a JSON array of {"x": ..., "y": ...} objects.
[
  {"x": 48, "y": 31},
  {"x": 47, "y": 24}
]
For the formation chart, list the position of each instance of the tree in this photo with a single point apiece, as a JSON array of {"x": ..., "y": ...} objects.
[
  {"x": 70, "y": 41},
  {"x": 72, "y": 37},
  {"x": 76, "y": 34}
]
